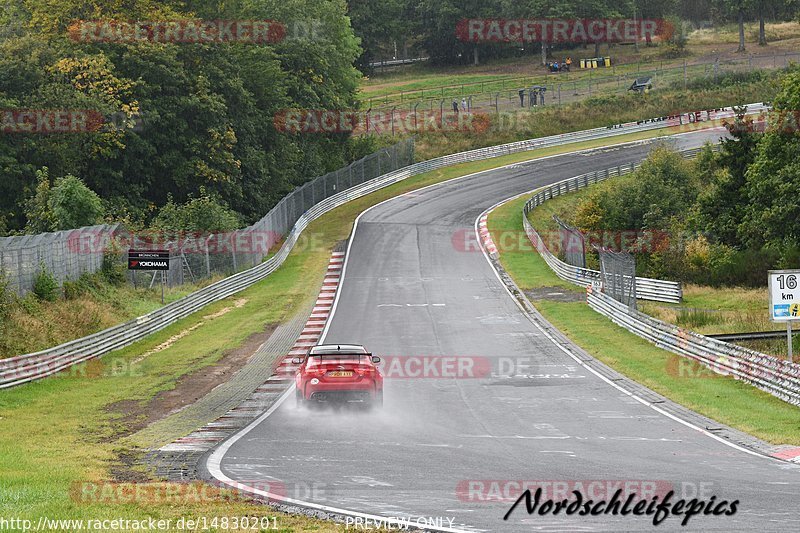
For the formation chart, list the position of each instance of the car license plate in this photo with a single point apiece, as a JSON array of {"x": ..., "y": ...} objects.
[{"x": 340, "y": 374}]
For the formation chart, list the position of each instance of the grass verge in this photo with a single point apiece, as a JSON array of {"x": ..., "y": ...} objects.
[
  {"x": 29, "y": 324},
  {"x": 721, "y": 398},
  {"x": 62, "y": 431}
]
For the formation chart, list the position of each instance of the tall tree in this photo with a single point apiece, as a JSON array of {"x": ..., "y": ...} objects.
[
  {"x": 206, "y": 110},
  {"x": 773, "y": 179},
  {"x": 379, "y": 26},
  {"x": 436, "y": 22}
]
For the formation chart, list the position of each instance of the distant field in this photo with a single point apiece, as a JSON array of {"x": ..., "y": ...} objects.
[
  {"x": 421, "y": 81},
  {"x": 729, "y": 33}
]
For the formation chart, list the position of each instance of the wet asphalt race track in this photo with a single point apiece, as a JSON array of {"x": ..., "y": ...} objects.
[{"x": 411, "y": 290}]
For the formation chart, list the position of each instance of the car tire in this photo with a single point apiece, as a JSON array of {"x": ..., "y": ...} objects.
[
  {"x": 300, "y": 400},
  {"x": 378, "y": 401}
]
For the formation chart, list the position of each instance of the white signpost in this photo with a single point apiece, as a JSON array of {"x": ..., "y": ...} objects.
[{"x": 784, "y": 299}]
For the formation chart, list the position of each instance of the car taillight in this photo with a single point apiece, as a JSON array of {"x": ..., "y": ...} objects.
[
  {"x": 315, "y": 370},
  {"x": 363, "y": 370}
]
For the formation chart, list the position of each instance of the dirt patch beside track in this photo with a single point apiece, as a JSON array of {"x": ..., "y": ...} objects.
[
  {"x": 554, "y": 294},
  {"x": 188, "y": 389}
]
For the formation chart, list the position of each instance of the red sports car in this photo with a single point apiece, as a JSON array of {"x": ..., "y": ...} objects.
[{"x": 338, "y": 372}]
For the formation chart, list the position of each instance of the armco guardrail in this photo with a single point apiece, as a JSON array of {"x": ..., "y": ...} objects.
[
  {"x": 750, "y": 336},
  {"x": 29, "y": 367},
  {"x": 775, "y": 376},
  {"x": 646, "y": 288}
]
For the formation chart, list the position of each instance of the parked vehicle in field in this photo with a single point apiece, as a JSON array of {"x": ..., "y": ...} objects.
[{"x": 338, "y": 373}]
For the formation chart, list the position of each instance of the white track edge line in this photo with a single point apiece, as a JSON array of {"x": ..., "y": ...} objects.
[
  {"x": 590, "y": 369},
  {"x": 214, "y": 461}
]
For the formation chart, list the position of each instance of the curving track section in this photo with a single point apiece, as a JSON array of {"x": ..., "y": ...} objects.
[{"x": 408, "y": 290}]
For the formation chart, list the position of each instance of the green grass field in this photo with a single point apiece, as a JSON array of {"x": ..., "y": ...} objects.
[{"x": 724, "y": 399}]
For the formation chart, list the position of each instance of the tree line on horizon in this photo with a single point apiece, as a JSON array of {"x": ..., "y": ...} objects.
[{"x": 409, "y": 27}]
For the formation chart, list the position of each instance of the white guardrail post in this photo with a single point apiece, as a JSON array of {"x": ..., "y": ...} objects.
[{"x": 24, "y": 368}]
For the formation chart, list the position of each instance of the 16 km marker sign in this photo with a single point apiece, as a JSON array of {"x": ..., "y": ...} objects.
[
  {"x": 784, "y": 295},
  {"x": 784, "y": 300}
]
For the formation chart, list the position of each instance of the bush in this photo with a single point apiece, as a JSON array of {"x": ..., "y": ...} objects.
[
  {"x": 204, "y": 213},
  {"x": 85, "y": 284},
  {"x": 112, "y": 269},
  {"x": 660, "y": 189},
  {"x": 73, "y": 289},
  {"x": 697, "y": 258},
  {"x": 6, "y": 296},
  {"x": 676, "y": 46},
  {"x": 74, "y": 205},
  {"x": 45, "y": 286},
  {"x": 68, "y": 204},
  {"x": 37, "y": 207},
  {"x": 789, "y": 255},
  {"x": 588, "y": 215},
  {"x": 749, "y": 268}
]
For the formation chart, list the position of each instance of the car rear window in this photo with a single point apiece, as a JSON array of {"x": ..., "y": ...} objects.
[{"x": 334, "y": 350}]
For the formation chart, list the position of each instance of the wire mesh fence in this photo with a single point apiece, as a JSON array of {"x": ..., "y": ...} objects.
[
  {"x": 61, "y": 253},
  {"x": 198, "y": 256},
  {"x": 194, "y": 256},
  {"x": 618, "y": 275},
  {"x": 573, "y": 244}
]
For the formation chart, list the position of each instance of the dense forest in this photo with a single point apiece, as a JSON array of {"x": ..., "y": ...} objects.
[
  {"x": 191, "y": 120},
  {"x": 191, "y": 125}
]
